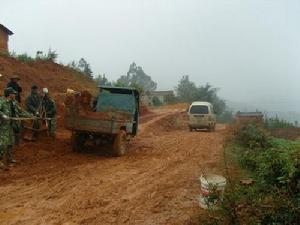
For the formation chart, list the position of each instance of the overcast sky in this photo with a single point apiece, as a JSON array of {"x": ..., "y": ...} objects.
[{"x": 248, "y": 48}]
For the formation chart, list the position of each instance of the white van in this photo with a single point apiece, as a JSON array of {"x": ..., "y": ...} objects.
[{"x": 201, "y": 115}]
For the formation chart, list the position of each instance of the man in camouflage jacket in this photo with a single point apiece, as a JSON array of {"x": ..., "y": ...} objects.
[
  {"x": 49, "y": 107},
  {"x": 8, "y": 109}
]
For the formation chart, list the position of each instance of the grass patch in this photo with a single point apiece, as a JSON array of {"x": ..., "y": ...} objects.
[{"x": 274, "y": 165}]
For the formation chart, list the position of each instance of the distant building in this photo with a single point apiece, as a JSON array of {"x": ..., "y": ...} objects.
[
  {"x": 4, "y": 36},
  {"x": 162, "y": 96},
  {"x": 249, "y": 117}
]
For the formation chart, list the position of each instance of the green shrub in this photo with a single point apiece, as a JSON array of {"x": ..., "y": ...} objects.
[
  {"x": 277, "y": 123},
  {"x": 24, "y": 58},
  {"x": 275, "y": 167},
  {"x": 50, "y": 56},
  {"x": 249, "y": 159},
  {"x": 252, "y": 136},
  {"x": 284, "y": 210},
  {"x": 274, "y": 164}
]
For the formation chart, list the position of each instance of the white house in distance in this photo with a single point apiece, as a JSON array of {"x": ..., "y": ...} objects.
[{"x": 162, "y": 96}]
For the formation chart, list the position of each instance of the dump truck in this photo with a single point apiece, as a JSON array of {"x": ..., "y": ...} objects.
[{"x": 112, "y": 118}]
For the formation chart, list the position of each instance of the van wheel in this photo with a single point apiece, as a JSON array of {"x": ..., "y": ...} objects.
[
  {"x": 211, "y": 128},
  {"x": 119, "y": 145}
]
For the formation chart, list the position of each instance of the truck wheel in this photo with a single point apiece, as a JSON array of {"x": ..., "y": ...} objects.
[
  {"x": 119, "y": 145},
  {"x": 77, "y": 141}
]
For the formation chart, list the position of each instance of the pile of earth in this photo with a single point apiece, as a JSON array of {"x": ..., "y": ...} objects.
[{"x": 171, "y": 122}]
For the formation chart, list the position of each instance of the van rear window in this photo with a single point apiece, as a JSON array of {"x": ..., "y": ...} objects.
[{"x": 199, "y": 109}]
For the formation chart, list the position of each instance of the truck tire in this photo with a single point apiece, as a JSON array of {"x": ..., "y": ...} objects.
[
  {"x": 77, "y": 141},
  {"x": 119, "y": 145}
]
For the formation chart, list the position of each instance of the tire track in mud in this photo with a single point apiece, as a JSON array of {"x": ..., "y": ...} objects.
[{"x": 156, "y": 183}]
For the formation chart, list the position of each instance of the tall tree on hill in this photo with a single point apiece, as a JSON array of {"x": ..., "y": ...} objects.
[
  {"x": 136, "y": 77},
  {"x": 85, "y": 68},
  {"x": 102, "y": 80},
  {"x": 52, "y": 55}
]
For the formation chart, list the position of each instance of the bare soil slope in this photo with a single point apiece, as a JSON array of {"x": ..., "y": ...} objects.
[
  {"x": 155, "y": 183},
  {"x": 44, "y": 74}
]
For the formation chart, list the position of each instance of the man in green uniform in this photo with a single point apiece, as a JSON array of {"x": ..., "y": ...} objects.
[
  {"x": 14, "y": 83},
  {"x": 8, "y": 109},
  {"x": 49, "y": 108}
]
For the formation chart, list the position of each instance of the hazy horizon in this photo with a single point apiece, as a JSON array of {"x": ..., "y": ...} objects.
[{"x": 249, "y": 49}]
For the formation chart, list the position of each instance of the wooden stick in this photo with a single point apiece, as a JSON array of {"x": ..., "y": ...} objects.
[{"x": 23, "y": 118}]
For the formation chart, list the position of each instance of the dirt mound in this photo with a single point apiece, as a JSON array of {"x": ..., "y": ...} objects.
[
  {"x": 44, "y": 74},
  {"x": 176, "y": 121},
  {"x": 181, "y": 106},
  {"x": 144, "y": 110}
]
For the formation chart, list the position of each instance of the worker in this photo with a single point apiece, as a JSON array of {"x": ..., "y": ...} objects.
[
  {"x": 8, "y": 109},
  {"x": 48, "y": 105},
  {"x": 14, "y": 83},
  {"x": 33, "y": 105},
  {"x": 33, "y": 101}
]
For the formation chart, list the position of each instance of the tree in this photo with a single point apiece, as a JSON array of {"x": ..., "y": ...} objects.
[
  {"x": 52, "y": 55},
  {"x": 85, "y": 67},
  {"x": 74, "y": 65},
  {"x": 137, "y": 77},
  {"x": 102, "y": 80},
  {"x": 186, "y": 90}
]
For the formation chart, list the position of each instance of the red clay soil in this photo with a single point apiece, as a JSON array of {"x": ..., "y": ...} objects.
[
  {"x": 144, "y": 110},
  {"x": 57, "y": 78},
  {"x": 156, "y": 182},
  {"x": 44, "y": 74}
]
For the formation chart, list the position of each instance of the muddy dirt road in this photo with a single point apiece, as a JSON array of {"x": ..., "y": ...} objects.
[{"x": 155, "y": 183}]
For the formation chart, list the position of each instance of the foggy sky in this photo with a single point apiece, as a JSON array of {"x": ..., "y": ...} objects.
[{"x": 248, "y": 48}]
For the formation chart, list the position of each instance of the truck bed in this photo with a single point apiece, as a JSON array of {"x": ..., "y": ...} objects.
[{"x": 97, "y": 122}]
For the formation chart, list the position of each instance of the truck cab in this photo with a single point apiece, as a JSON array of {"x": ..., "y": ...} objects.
[{"x": 120, "y": 100}]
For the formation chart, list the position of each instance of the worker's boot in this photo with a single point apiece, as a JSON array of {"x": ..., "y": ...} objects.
[{"x": 10, "y": 158}]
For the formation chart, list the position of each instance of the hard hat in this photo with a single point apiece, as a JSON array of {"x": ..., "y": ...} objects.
[
  {"x": 45, "y": 90},
  {"x": 70, "y": 91}
]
